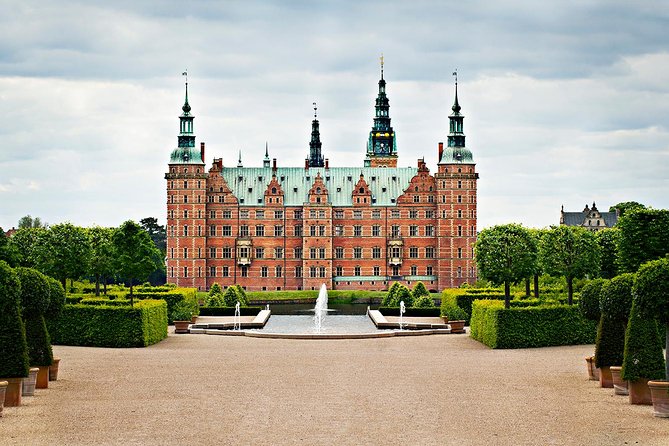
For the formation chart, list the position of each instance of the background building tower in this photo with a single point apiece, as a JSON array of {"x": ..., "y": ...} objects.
[
  {"x": 315, "y": 156},
  {"x": 381, "y": 147}
]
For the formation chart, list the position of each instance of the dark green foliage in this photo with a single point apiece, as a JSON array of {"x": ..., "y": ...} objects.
[
  {"x": 424, "y": 301},
  {"x": 535, "y": 326},
  {"x": 626, "y": 207},
  {"x": 39, "y": 343},
  {"x": 241, "y": 295},
  {"x": 419, "y": 290},
  {"x": 172, "y": 297},
  {"x": 644, "y": 236},
  {"x": 607, "y": 239},
  {"x": 136, "y": 255},
  {"x": 56, "y": 298},
  {"x": 105, "y": 326},
  {"x": 183, "y": 311},
  {"x": 589, "y": 299},
  {"x": 13, "y": 346},
  {"x": 34, "y": 291},
  {"x": 72, "y": 299},
  {"x": 229, "y": 311},
  {"x": 456, "y": 304},
  {"x": 506, "y": 254},
  {"x": 214, "y": 300},
  {"x": 215, "y": 289},
  {"x": 610, "y": 342},
  {"x": 411, "y": 311},
  {"x": 97, "y": 301},
  {"x": 652, "y": 290},
  {"x": 231, "y": 297},
  {"x": 8, "y": 251},
  {"x": 390, "y": 299},
  {"x": 68, "y": 252},
  {"x": 643, "y": 349},
  {"x": 616, "y": 297}
]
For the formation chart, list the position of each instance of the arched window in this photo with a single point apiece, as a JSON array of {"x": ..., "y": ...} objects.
[
  {"x": 362, "y": 190},
  {"x": 274, "y": 190}
]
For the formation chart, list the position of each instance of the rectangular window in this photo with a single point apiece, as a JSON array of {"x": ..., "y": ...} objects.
[
  {"x": 376, "y": 231},
  {"x": 227, "y": 231},
  {"x": 321, "y": 253},
  {"x": 339, "y": 214},
  {"x": 186, "y": 231},
  {"x": 226, "y": 253},
  {"x": 312, "y": 230},
  {"x": 263, "y": 271},
  {"x": 376, "y": 214},
  {"x": 395, "y": 252},
  {"x": 212, "y": 231},
  {"x": 278, "y": 253},
  {"x": 395, "y": 230},
  {"x": 357, "y": 231},
  {"x": 339, "y": 271},
  {"x": 395, "y": 213},
  {"x": 357, "y": 253},
  {"x": 243, "y": 231},
  {"x": 321, "y": 214},
  {"x": 199, "y": 253},
  {"x": 244, "y": 252},
  {"x": 312, "y": 213},
  {"x": 278, "y": 231},
  {"x": 321, "y": 272},
  {"x": 260, "y": 230},
  {"x": 429, "y": 231},
  {"x": 260, "y": 214},
  {"x": 260, "y": 253},
  {"x": 279, "y": 215},
  {"x": 459, "y": 213},
  {"x": 298, "y": 272},
  {"x": 377, "y": 271},
  {"x": 414, "y": 270},
  {"x": 459, "y": 253},
  {"x": 244, "y": 214},
  {"x": 416, "y": 198},
  {"x": 413, "y": 214},
  {"x": 245, "y": 271},
  {"x": 459, "y": 198},
  {"x": 413, "y": 230},
  {"x": 212, "y": 253},
  {"x": 376, "y": 253},
  {"x": 321, "y": 230},
  {"x": 459, "y": 231},
  {"x": 297, "y": 214},
  {"x": 356, "y": 271},
  {"x": 430, "y": 198},
  {"x": 338, "y": 231},
  {"x": 339, "y": 252},
  {"x": 185, "y": 271},
  {"x": 429, "y": 213},
  {"x": 396, "y": 270},
  {"x": 357, "y": 214},
  {"x": 312, "y": 271},
  {"x": 278, "y": 271},
  {"x": 185, "y": 253},
  {"x": 298, "y": 253},
  {"x": 413, "y": 252},
  {"x": 212, "y": 271},
  {"x": 298, "y": 231},
  {"x": 225, "y": 271},
  {"x": 428, "y": 270},
  {"x": 212, "y": 214},
  {"x": 227, "y": 214},
  {"x": 185, "y": 201},
  {"x": 429, "y": 252},
  {"x": 313, "y": 253}
]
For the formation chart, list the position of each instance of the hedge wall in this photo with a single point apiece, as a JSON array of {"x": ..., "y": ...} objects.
[
  {"x": 229, "y": 311},
  {"x": 411, "y": 311},
  {"x": 463, "y": 299},
  {"x": 529, "y": 326},
  {"x": 172, "y": 297},
  {"x": 109, "y": 326},
  {"x": 102, "y": 301}
]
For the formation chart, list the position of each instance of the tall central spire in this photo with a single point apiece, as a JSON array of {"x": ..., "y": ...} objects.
[
  {"x": 382, "y": 146},
  {"x": 185, "y": 151},
  {"x": 315, "y": 156},
  {"x": 456, "y": 137}
]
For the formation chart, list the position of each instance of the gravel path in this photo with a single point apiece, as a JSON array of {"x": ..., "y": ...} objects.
[{"x": 428, "y": 390}]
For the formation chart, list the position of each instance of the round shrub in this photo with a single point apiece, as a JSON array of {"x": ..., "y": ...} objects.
[
  {"x": 589, "y": 299},
  {"x": 230, "y": 297},
  {"x": 423, "y": 302},
  {"x": 651, "y": 289},
  {"x": 214, "y": 300},
  {"x": 13, "y": 347},
  {"x": 34, "y": 291},
  {"x": 616, "y": 297},
  {"x": 56, "y": 298},
  {"x": 389, "y": 299}
]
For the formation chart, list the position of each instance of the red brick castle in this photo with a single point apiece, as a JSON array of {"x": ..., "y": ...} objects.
[{"x": 294, "y": 228}]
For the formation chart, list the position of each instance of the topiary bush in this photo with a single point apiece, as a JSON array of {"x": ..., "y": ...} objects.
[
  {"x": 404, "y": 295},
  {"x": 424, "y": 301},
  {"x": 643, "y": 357},
  {"x": 35, "y": 300},
  {"x": 589, "y": 299},
  {"x": 215, "y": 289},
  {"x": 214, "y": 300},
  {"x": 241, "y": 295},
  {"x": 56, "y": 298},
  {"x": 419, "y": 290},
  {"x": 389, "y": 300},
  {"x": 230, "y": 297},
  {"x": 615, "y": 302},
  {"x": 13, "y": 346}
]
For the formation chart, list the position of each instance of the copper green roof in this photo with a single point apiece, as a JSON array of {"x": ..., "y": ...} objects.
[
  {"x": 457, "y": 155},
  {"x": 386, "y": 184},
  {"x": 186, "y": 155}
]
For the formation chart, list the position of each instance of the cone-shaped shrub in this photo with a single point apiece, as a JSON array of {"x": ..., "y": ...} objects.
[
  {"x": 389, "y": 300},
  {"x": 643, "y": 349},
  {"x": 589, "y": 299},
  {"x": 241, "y": 296},
  {"x": 215, "y": 289},
  {"x": 35, "y": 292},
  {"x": 56, "y": 298},
  {"x": 615, "y": 303},
  {"x": 13, "y": 346},
  {"x": 419, "y": 290}
]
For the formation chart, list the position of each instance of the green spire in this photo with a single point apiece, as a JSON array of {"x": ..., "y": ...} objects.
[
  {"x": 185, "y": 152},
  {"x": 382, "y": 137},
  {"x": 456, "y": 152},
  {"x": 315, "y": 156}
]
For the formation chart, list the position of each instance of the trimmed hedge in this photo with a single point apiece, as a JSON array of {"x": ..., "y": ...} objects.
[
  {"x": 109, "y": 326},
  {"x": 643, "y": 356},
  {"x": 411, "y": 311},
  {"x": 533, "y": 326},
  {"x": 101, "y": 301},
  {"x": 35, "y": 299},
  {"x": 172, "y": 297},
  {"x": 463, "y": 299},
  {"x": 589, "y": 300},
  {"x": 13, "y": 345},
  {"x": 39, "y": 342},
  {"x": 229, "y": 311},
  {"x": 56, "y": 298},
  {"x": 610, "y": 343}
]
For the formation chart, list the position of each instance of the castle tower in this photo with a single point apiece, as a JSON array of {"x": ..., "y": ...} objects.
[
  {"x": 315, "y": 156},
  {"x": 186, "y": 189},
  {"x": 456, "y": 180},
  {"x": 381, "y": 146}
]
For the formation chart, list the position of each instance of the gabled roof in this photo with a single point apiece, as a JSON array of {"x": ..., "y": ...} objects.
[{"x": 248, "y": 184}]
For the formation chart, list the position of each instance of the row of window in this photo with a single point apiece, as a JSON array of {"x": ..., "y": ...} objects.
[
  {"x": 413, "y": 214},
  {"x": 313, "y": 271}
]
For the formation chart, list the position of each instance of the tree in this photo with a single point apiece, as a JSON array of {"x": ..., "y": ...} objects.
[
  {"x": 536, "y": 234},
  {"x": 136, "y": 255},
  {"x": 159, "y": 236},
  {"x": 69, "y": 252},
  {"x": 13, "y": 346},
  {"x": 102, "y": 255},
  {"x": 644, "y": 236},
  {"x": 30, "y": 244},
  {"x": 506, "y": 254},
  {"x": 650, "y": 291},
  {"x": 607, "y": 239},
  {"x": 626, "y": 207},
  {"x": 35, "y": 300},
  {"x": 8, "y": 251},
  {"x": 571, "y": 252},
  {"x": 29, "y": 222}
]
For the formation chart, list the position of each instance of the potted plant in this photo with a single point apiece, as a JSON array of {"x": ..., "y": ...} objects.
[
  {"x": 182, "y": 313},
  {"x": 455, "y": 317},
  {"x": 3, "y": 389},
  {"x": 56, "y": 303},
  {"x": 35, "y": 297},
  {"x": 589, "y": 306},
  {"x": 650, "y": 291},
  {"x": 13, "y": 346},
  {"x": 29, "y": 383},
  {"x": 614, "y": 303}
]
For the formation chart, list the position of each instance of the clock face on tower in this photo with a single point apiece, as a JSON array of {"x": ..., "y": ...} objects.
[{"x": 383, "y": 148}]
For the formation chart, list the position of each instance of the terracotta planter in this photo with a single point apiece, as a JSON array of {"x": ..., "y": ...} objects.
[
  {"x": 457, "y": 326},
  {"x": 42, "y": 377},
  {"x": 593, "y": 371},
  {"x": 619, "y": 386},
  {"x": 13, "y": 391},
  {"x": 53, "y": 369},
  {"x": 28, "y": 387},
  {"x": 660, "y": 394},
  {"x": 639, "y": 392},
  {"x": 181, "y": 327},
  {"x": 605, "y": 379},
  {"x": 193, "y": 319},
  {"x": 3, "y": 388}
]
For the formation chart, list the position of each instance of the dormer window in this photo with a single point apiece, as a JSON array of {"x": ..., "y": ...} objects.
[
  {"x": 274, "y": 190},
  {"x": 362, "y": 190},
  {"x": 318, "y": 190}
]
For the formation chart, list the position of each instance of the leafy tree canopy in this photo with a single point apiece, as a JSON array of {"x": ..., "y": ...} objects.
[
  {"x": 156, "y": 232},
  {"x": 607, "y": 239},
  {"x": 30, "y": 222},
  {"x": 626, "y": 206},
  {"x": 644, "y": 236},
  {"x": 8, "y": 251},
  {"x": 69, "y": 252},
  {"x": 136, "y": 254}
]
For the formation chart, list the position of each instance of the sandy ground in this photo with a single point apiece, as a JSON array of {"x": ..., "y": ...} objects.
[{"x": 432, "y": 390}]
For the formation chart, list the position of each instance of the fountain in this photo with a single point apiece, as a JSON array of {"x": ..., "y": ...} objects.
[
  {"x": 402, "y": 311},
  {"x": 321, "y": 308},
  {"x": 237, "y": 321}
]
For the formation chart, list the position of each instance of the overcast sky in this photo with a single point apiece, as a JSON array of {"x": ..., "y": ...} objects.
[{"x": 566, "y": 102}]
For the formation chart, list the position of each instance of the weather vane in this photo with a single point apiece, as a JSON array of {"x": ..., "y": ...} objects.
[
  {"x": 381, "y": 64},
  {"x": 315, "y": 108},
  {"x": 185, "y": 73},
  {"x": 455, "y": 73}
]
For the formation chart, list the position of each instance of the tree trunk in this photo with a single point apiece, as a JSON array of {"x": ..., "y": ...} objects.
[
  {"x": 570, "y": 290},
  {"x": 63, "y": 281},
  {"x": 666, "y": 353},
  {"x": 105, "y": 286},
  {"x": 132, "y": 303},
  {"x": 507, "y": 294},
  {"x": 528, "y": 293},
  {"x": 71, "y": 283},
  {"x": 97, "y": 285},
  {"x": 536, "y": 286}
]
